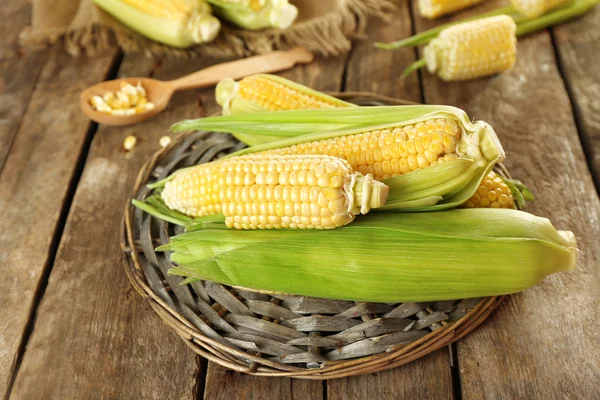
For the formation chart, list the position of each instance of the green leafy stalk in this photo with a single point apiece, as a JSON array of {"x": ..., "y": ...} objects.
[{"x": 419, "y": 257}]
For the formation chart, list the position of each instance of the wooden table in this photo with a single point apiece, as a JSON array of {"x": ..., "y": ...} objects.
[{"x": 73, "y": 328}]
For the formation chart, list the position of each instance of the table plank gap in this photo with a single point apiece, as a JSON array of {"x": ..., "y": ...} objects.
[{"x": 576, "y": 50}]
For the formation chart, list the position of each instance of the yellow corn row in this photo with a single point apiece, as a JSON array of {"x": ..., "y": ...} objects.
[
  {"x": 436, "y": 8},
  {"x": 389, "y": 152},
  {"x": 473, "y": 49},
  {"x": 265, "y": 192},
  {"x": 535, "y": 8}
]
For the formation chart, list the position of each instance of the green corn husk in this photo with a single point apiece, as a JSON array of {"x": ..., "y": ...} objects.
[
  {"x": 256, "y": 14},
  {"x": 176, "y": 28},
  {"x": 440, "y": 187},
  {"x": 385, "y": 257},
  {"x": 233, "y": 103}
]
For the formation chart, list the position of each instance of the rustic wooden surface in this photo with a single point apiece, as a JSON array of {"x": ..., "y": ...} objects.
[{"x": 73, "y": 328}]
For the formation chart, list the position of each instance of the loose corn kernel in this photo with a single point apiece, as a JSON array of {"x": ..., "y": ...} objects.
[
  {"x": 129, "y": 142},
  {"x": 164, "y": 141}
]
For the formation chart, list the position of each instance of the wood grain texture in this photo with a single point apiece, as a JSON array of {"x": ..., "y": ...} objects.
[
  {"x": 35, "y": 183},
  {"x": 323, "y": 74},
  {"x": 426, "y": 378},
  {"x": 542, "y": 343},
  {"x": 374, "y": 70},
  {"x": 224, "y": 384},
  {"x": 18, "y": 71},
  {"x": 371, "y": 69},
  {"x": 578, "y": 50},
  {"x": 95, "y": 337}
]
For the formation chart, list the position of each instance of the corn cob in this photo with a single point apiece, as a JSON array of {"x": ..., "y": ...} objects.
[
  {"x": 267, "y": 192},
  {"x": 473, "y": 49},
  {"x": 178, "y": 23},
  {"x": 493, "y": 192},
  {"x": 387, "y": 257},
  {"x": 436, "y": 8},
  {"x": 535, "y": 8},
  {"x": 431, "y": 156},
  {"x": 256, "y": 14},
  {"x": 264, "y": 92}
]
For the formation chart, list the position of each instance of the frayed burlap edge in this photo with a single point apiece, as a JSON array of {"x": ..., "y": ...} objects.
[{"x": 329, "y": 34}]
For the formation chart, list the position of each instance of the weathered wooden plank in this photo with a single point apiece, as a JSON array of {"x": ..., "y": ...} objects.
[
  {"x": 35, "y": 185},
  {"x": 223, "y": 384},
  {"x": 94, "y": 336},
  {"x": 379, "y": 71},
  {"x": 18, "y": 71},
  {"x": 537, "y": 345},
  {"x": 577, "y": 45},
  {"x": 415, "y": 380}
]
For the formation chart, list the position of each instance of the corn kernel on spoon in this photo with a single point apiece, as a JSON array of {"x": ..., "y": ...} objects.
[{"x": 158, "y": 93}]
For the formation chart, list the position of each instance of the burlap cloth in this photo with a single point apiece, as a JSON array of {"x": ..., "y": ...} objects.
[{"x": 323, "y": 26}]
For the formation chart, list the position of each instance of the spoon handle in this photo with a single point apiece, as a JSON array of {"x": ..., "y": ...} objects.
[{"x": 264, "y": 63}]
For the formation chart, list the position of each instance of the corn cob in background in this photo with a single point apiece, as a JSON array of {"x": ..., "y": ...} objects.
[
  {"x": 497, "y": 192},
  {"x": 264, "y": 192},
  {"x": 256, "y": 14},
  {"x": 387, "y": 257},
  {"x": 557, "y": 14},
  {"x": 178, "y": 23},
  {"x": 431, "y": 157},
  {"x": 432, "y": 9},
  {"x": 263, "y": 92},
  {"x": 471, "y": 50},
  {"x": 535, "y": 8}
]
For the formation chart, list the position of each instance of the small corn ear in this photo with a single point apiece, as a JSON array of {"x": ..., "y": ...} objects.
[{"x": 432, "y": 9}]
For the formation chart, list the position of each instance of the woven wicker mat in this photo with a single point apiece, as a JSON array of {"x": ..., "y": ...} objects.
[
  {"x": 276, "y": 334},
  {"x": 324, "y": 27}
]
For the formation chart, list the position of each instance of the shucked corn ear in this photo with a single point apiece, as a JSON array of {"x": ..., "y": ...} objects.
[
  {"x": 436, "y": 8},
  {"x": 178, "y": 23},
  {"x": 431, "y": 157},
  {"x": 384, "y": 258},
  {"x": 264, "y": 192},
  {"x": 535, "y": 8},
  {"x": 256, "y": 14},
  {"x": 473, "y": 49},
  {"x": 264, "y": 92}
]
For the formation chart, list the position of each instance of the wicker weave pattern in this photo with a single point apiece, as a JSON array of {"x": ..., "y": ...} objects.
[{"x": 277, "y": 334}]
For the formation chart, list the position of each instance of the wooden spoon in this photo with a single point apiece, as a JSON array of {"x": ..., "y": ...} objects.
[{"x": 160, "y": 92}]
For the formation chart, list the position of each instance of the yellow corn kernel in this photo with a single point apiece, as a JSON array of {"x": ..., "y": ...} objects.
[
  {"x": 535, "y": 8},
  {"x": 164, "y": 141},
  {"x": 128, "y": 100},
  {"x": 129, "y": 142},
  {"x": 473, "y": 49},
  {"x": 492, "y": 192},
  {"x": 369, "y": 153},
  {"x": 271, "y": 191},
  {"x": 436, "y": 8}
]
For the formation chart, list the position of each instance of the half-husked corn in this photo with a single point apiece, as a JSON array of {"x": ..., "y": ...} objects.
[
  {"x": 266, "y": 192},
  {"x": 535, "y": 8}
]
